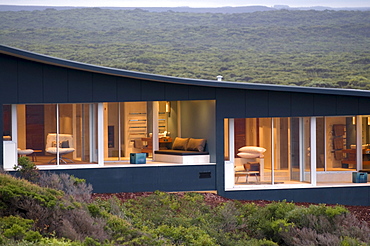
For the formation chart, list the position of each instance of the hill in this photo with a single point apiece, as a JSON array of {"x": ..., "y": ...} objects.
[
  {"x": 223, "y": 10},
  {"x": 307, "y": 48}
]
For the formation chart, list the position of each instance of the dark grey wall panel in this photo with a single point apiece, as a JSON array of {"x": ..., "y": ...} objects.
[
  {"x": 8, "y": 78},
  {"x": 231, "y": 103},
  {"x": 2, "y": 132},
  {"x": 355, "y": 195},
  {"x": 30, "y": 84},
  {"x": 220, "y": 158},
  {"x": 302, "y": 104},
  {"x": 257, "y": 103},
  {"x": 364, "y": 105},
  {"x": 152, "y": 91},
  {"x": 202, "y": 93},
  {"x": 55, "y": 84},
  {"x": 347, "y": 105},
  {"x": 176, "y": 92},
  {"x": 325, "y": 105},
  {"x": 150, "y": 178},
  {"x": 201, "y": 123},
  {"x": 279, "y": 104},
  {"x": 104, "y": 88},
  {"x": 79, "y": 86},
  {"x": 128, "y": 89}
]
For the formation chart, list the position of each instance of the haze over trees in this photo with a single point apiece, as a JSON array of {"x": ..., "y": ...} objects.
[{"x": 288, "y": 47}]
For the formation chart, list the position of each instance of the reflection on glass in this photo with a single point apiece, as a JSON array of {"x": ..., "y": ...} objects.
[
  {"x": 286, "y": 157},
  {"x": 7, "y": 121}
]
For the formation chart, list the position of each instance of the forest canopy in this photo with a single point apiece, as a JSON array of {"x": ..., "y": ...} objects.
[{"x": 289, "y": 47}]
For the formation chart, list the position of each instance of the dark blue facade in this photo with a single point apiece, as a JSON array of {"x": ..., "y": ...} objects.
[{"x": 28, "y": 78}]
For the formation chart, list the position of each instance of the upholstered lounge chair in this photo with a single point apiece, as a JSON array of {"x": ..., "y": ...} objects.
[{"x": 64, "y": 146}]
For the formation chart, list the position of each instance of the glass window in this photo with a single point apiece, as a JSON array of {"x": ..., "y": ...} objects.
[
  {"x": 7, "y": 121},
  {"x": 340, "y": 143},
  {"x": 285, "y": 157},
  {"x": 57, "y": 134}
]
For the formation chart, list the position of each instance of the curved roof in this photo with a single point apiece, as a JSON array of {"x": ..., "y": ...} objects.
[{"x": 175, "y": 80}]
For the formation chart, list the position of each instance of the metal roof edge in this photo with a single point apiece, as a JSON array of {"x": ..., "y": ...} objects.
[{"x": 174, "y": 80}]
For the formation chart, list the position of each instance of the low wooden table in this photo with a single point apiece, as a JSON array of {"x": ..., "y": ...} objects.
[
  {"x": 34, "y": 156},
  {"x": 163, "y": 143}
]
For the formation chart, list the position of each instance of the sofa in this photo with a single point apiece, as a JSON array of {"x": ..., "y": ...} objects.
[{"x": 185, "y": 151}]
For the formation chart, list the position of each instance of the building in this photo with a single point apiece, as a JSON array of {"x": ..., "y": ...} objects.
[{"x": 89, "y": 121}]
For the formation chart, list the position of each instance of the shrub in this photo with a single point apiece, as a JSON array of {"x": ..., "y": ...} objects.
[
  {"x": 309, "y": 216},
  {"x": 261, "y": 224},
  {"x": 185, "y": 235},
  {"x": 17, "y": 228},
  {"x": 324, "y": 225},
  {"x": 27, "y": 169},
  {"x": 69, "y": 184},
  {"x": 14, "y": 191}
]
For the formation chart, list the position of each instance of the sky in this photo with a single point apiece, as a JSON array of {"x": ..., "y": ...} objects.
[{"x": 189, "y": 3}]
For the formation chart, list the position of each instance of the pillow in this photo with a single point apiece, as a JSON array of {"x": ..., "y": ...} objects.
[
  {"x": 54, "y": 144},
  {"x": 248, "y": 155},
  {"x": 180, "y": 143},
  {"x": 64, "y": 144},
  {"x": 196, "y": 144},
  {"x": 252, "y": 149}
]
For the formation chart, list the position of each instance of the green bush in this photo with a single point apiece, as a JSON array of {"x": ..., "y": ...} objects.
[
  {"x": 13, "y": 190},
  {"x": 27, "y": 169},
  {"x": 165, "y": 219},
  {"x": 262, "y": 223},
  {"x": 17, "y": 228},
  {"x": 184, "y": 235}
]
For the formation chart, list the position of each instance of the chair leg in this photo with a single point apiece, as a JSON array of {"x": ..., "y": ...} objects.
[{"x": 62, "y": 159}]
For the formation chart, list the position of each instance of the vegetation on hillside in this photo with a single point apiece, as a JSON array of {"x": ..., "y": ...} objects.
[
  {"x": 305, "y": 48},
  {"x": 58, "y": 210}
]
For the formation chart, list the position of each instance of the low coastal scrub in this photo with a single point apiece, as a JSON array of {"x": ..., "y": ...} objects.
[{"x": 58, "y": 210}]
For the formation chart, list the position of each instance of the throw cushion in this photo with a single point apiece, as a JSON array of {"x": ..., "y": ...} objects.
[
  {"x": 248, "y": 155},
  {"x": 64, "y": 144},
  {"x": 196, "y": 144},
  {"x": 252, "y": 149},
  {"x": 180, "y": 143}
]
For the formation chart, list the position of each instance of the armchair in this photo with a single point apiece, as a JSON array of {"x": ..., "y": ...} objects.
[{"x": 65, "y": 146}]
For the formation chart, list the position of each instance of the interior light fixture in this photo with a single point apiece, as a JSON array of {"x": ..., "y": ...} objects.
[{"x": 168, "y": 108}]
